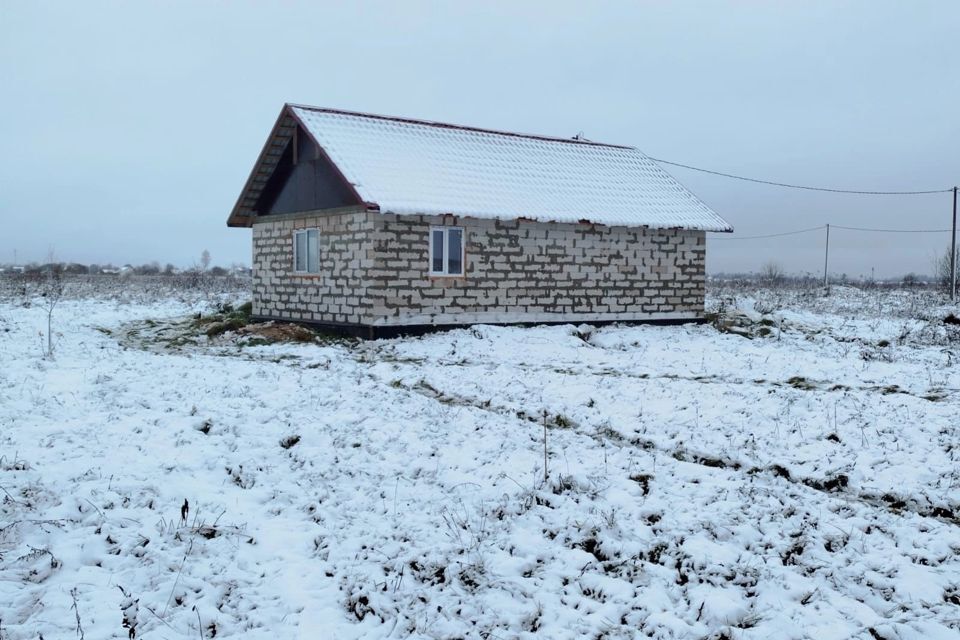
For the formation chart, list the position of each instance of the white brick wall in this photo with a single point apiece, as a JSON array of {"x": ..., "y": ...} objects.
[{"x": 374, "y": 271}]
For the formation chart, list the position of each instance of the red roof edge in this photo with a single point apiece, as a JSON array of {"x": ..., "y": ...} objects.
[{"x": 445, "y": 125}]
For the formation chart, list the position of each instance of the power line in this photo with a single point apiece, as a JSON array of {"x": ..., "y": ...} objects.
[
  {"x": 837, "y": 226},
  {"x": 832, "y": 226},
  {"x": 771, "y": 235},
  {"x": 798, "y": 186}
]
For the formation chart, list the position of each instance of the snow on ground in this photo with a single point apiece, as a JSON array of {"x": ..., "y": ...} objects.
[{"x": 701, "y": 484}]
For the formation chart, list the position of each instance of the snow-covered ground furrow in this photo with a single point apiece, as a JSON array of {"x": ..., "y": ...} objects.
[
  {"x": 391, "y": 489},
  {"x": 768, "y": 412}
]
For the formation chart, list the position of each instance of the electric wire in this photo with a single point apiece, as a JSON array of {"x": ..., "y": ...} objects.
[
  {"x": 837, "y": 226},
  {"x": 803, "y": 187},
  {"x": 769, "y": 235},
  {"x": 823, "y": 226}
]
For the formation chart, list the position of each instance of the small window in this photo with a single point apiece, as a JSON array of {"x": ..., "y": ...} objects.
[
  {"x": 446, "y": 251},
  {"x": 306, "y": 251}
]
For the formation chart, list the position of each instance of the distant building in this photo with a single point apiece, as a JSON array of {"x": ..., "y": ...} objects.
[{"x": 376, "y": 225}]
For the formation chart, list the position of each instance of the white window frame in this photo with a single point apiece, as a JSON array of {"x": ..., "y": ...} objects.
[
  {"x": 445, "y": 271},
  {"x": 296, "y": 236}
]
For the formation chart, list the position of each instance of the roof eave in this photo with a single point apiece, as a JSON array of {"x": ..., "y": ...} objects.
[
  {"x": 238, "y": 216},
  {"x": 240, "y": 222},
  {"x": 404, "y": 210}
]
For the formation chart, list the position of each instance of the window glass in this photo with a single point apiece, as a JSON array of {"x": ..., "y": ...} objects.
[
  {"x": 436, "y": 259},
  {"x": 313, "y": 251},
  {"x": 455, "y": 251},
  {"x": 300, "y": 252}
]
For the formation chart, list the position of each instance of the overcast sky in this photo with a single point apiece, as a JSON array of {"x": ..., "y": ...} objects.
[{"x": 129, "y": 128}]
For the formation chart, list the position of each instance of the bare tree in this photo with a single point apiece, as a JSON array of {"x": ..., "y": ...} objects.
[
  {"x": 772, "y": 272},
  {"x": 205, "y": 260},
  {"x": 51, "y": 291},
  {"x": 941, "y": 269}
]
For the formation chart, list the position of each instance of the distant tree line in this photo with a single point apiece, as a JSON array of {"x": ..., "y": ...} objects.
[
  {"x": 149, "y": 269},
  {"x": 776, "y": 276},
  {"x": 773, "y": 273}
]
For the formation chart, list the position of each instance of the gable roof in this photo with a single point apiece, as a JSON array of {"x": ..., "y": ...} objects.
[{"x": 403, "y": 166}]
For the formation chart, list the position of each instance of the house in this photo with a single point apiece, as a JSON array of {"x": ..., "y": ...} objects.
[{"x": 375, "y": 225}]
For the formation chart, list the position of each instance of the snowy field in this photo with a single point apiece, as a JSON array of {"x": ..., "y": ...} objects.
[{"x": 789, "y": 472}]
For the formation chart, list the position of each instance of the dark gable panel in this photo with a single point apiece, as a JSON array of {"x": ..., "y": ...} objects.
[{"x": 310, "y": 184}]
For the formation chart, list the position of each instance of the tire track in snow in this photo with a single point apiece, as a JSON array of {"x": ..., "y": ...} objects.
[
  {"x": 934, "y": 394},
  {"x": 836, "y": 486},
  {"x": 367, "y": 357}
]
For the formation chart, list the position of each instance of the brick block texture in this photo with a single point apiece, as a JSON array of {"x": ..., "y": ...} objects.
[{"x": 374, "y": 271}]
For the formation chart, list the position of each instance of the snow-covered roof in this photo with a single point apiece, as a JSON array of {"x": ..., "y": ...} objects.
[{"x": 416, "y": 167}]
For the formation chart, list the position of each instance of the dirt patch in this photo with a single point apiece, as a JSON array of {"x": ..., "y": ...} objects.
[
  {"x": 272, "y": 332},
  {"x": 226, "y": 318},
  {"x": 225, "y": 326}
]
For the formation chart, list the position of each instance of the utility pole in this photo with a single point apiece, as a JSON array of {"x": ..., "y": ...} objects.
[
  {"x": 953, "y": 251},
  {"x": 826, "y": 258}
]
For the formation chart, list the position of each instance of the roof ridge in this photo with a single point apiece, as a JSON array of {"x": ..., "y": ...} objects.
[{"x": 447, "y": 125}]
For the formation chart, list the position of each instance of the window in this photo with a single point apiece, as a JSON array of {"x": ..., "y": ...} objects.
[
  {"x": 306, "y": 251},
  {"x": 446, "y": 251}
]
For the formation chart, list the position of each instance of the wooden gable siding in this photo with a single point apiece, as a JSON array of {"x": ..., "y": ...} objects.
[{"x": 304, "y": 180}]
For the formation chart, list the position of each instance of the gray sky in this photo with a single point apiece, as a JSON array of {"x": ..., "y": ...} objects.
[{"x": 129, "y": 128}]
